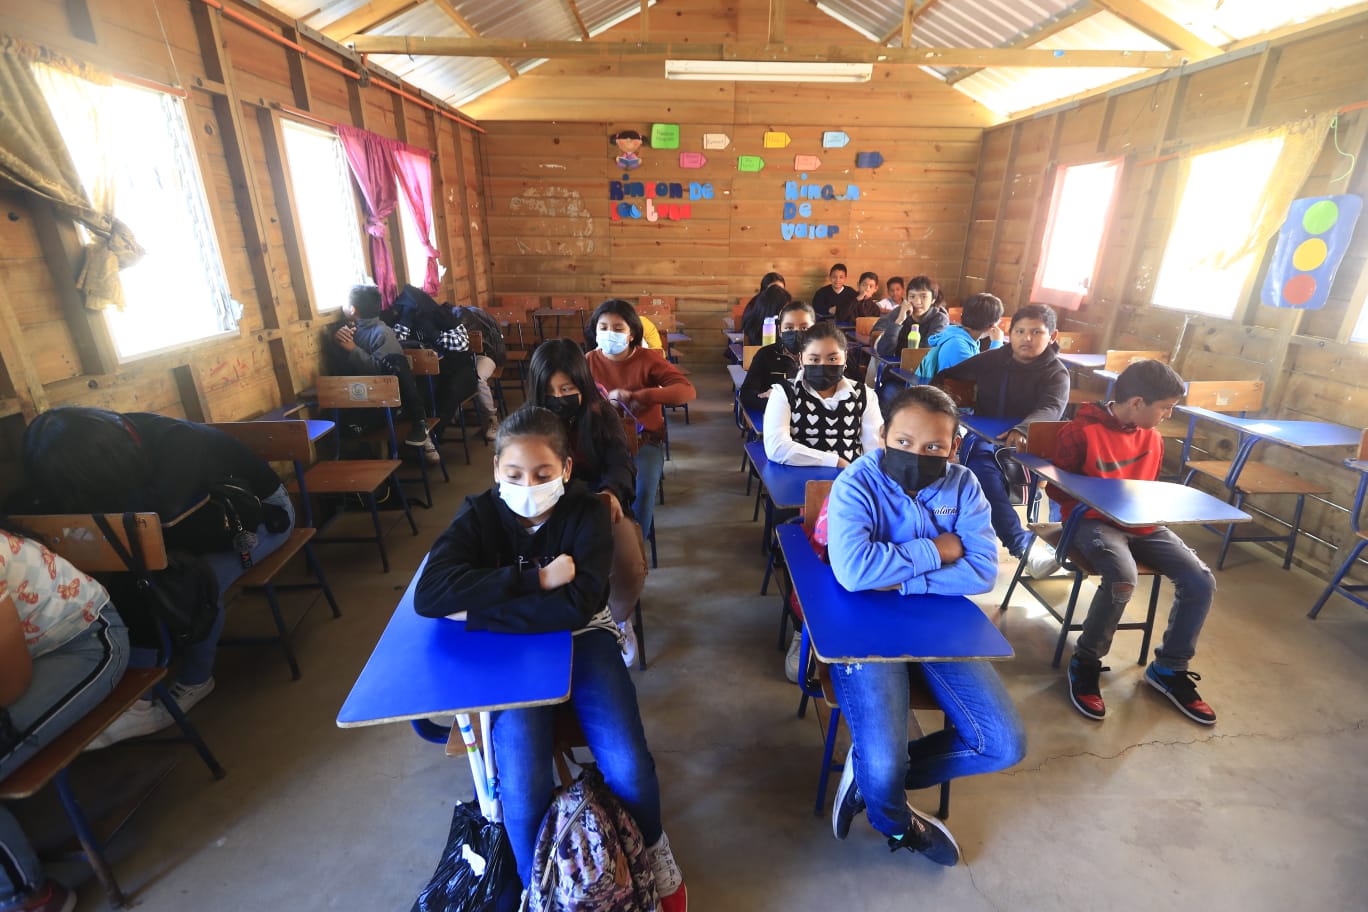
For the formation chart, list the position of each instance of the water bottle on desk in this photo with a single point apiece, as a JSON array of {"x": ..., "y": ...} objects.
[
  {"x": 767, "y": 334},
  {"x": 914, "y": 336}
]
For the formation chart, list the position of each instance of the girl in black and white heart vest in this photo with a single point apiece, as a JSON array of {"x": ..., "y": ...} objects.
[{"x": 821, "y": 417}]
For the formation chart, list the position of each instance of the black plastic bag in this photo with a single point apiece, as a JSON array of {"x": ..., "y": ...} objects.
[{"x": 455, "y": 885}]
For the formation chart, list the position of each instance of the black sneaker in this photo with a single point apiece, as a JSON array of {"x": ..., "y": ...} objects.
[
  {"x": 930, "y": 837},
  {"x": 1178, "y": 686},
  {"x": 1084, "y": 691},
  {"x": 849, "y": 802}
]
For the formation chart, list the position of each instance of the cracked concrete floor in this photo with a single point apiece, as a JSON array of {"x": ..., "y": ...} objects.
[{"x": 1146, "y": 810}]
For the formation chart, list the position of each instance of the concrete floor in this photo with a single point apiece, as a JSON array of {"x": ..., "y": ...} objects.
[{"x": 1268, "y": 810}]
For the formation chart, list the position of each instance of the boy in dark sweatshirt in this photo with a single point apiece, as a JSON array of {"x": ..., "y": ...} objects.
[
  {"x": 827, "y": 298},
  {"x": 1025, "y": 380},
  {"x": 1118, "y": 439},
  {"x": 778, "y": 362}
]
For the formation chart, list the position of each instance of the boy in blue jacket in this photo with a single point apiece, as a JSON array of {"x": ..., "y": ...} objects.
[
  {"x": 904, "y": 517},
  {"x": 960, "y": 342}
]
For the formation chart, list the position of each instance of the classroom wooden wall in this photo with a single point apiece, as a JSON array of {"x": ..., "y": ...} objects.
[
  {"x": 548, "y": 162},
  {"x": 1309, "y": 367},
  {"x": 53, "y": 352}
]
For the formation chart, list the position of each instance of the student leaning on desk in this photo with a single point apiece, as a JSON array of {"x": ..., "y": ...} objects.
[
  {"x": 532, "y": 554},
  {"x": 902, "y": 517},
  {"x": 1118, "y": 439}
]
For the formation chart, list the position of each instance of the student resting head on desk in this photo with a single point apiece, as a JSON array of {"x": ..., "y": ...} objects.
[
  {"x": 905, "y": 517},
  {"x": 532, "y": 554},
  {"x": 778, "y": 362},
  {"x": 558, "y": 379},
  {"x": 1118, "y": 439},
  {"x": 1023, "y": 380},
  {"x": 821, "y": 417}
]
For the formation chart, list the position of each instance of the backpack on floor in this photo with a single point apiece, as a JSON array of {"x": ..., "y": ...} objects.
[{"x": 590, "y": 855}]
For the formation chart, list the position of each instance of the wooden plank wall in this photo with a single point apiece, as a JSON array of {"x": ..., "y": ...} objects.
[
  {"x": 236, "y": 76},
  {"x": 548, "y": 163},
  {"x": 1309, "y": 368}
]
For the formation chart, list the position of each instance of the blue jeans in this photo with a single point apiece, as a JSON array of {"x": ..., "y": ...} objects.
[
  {"x": 604, "y": 699},
  {"x": 977, "y": 457},
  {"x": 650, "y": 466},
  {"x": 1113, "y": 553},
  {"x": 982, "y": 734},
  {"x": 67, "y": 683},
  {"x": 197, "y": 659}
]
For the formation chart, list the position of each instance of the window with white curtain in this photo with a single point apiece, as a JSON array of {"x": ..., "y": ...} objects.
[
  {"x": 135, "y": 143},
  {"x": 326, "y": 213}
]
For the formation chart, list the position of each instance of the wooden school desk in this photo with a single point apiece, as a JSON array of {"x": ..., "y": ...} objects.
[
  {"x": 734, "y": 336},
  {"x": 1082, "y": 362},
  {"x": 990, "y": 430},
  {"x": 430, "y": 666},
  {"x": 1299, "y": 435}
]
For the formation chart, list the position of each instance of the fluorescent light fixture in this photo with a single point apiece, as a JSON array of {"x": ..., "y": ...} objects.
[{"x": 768, "y": 71}]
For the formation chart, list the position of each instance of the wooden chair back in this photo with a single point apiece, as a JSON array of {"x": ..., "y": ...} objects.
[
  {"x": 519, "y": 302},
  {"x": 1363, "y": 447},
  {"x": 423, "y": 362},
  {"x": 955, "y": 314},
  {"x": 814, "y": 493},
  {"x": 665, "y": 322},
  {"x": 273, "y": 441},
  {"x": 1042, "y": 438},
  {"x": 748, "y": 354},
  {"x": 911, "y": 358},
  {"x": 737, "y": 312},
  {"x": 1075, "y": 342},
  {"x": 654, "y": 304},
  {"x": 865, "y": 325},
  {"x": 1118, "y": 360},
  {"x": 1226, "y": 395},
  {"x": 571, "y": 302},
  {"x": 964, "y": 392},
  {"x": 358, "y": 392},
  {"x": 77, "y": 538}
]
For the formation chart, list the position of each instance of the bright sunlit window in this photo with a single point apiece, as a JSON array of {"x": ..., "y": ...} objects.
[
  {"x": 415, "y": 254},
  {"x": 1210, "y": 254},
  {"x": 135, "y": 143},
  {"x": 1360, "y": 333},
  {"x": 1079, "y": 209},
  {"x": 325, "y": 208}
]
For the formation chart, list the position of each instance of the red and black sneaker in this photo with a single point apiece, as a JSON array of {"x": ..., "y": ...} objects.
[
  {"x": 1178, "y": 686},
  {"x": 1084, "y": 690}
]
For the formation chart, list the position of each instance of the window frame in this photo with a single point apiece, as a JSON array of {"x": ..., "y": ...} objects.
[{"x": 1059, "y": 297}]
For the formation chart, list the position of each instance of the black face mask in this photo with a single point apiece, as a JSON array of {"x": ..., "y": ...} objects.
[
  {"x": 564, "y": 407},
  {"x": 823, "y": 376},
  {"x": 793, "y": 339},
  {"x": 913, "y": 471}
]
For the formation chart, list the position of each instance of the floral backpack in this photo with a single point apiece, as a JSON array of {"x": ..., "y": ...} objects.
[
  {"x": 590, "y": 855},
  {"x": 818, "y": 540}
]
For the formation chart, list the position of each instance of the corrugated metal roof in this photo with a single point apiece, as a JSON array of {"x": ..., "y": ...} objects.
[{"x": 1220, "y": 22}]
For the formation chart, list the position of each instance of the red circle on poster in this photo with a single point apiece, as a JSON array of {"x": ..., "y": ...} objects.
[{"x": 1299, "y": 289}]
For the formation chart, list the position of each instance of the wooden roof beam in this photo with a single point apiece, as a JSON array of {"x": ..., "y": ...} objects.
[
  {"x": 369, "y": 16},
  {"x": 1054, "y": 28},
  {"x": 573, "y": 9},
  {"x": 464, "y": 25},
  {"x": 1149, "y": 20},
  {"x": 805, "y": 53},
  {"x": 911, "y": 10},
  {"x": 777, "y": 14}
]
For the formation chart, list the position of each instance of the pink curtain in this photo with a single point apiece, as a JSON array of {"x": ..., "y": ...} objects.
[
  {"x": 373, "y": 165},
  {"x": 413, "y": 167}
]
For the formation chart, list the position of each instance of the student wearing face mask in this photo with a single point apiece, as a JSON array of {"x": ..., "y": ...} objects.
[
  {"x": 558, "y": 379},
  {"x": 530, "y": 555},
  {"x": 905, "y": 517},
  {"x": 820, "y": 417},
  {"x": 778, "y": 362},
  {"x": 642, "y": 381}
]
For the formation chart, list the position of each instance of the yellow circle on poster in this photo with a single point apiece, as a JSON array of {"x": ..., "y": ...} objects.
[{"x": 1309, "y": 254}]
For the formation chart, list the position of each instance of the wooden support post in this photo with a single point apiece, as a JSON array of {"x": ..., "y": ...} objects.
[
  {"x": 1004, "y": 194},
  {"x": 61, "y": 247},
  {"x": 18, "y": 366},
  {"x": 777, "y": 16},
  {"x": 463, "y": 202},
  {"x": 969, "y": 232},
  {"x": 228, "y": 110},
  {"x": 273, "y": 144},
  {"x": 191, "y": 394},
  {"x": 299, "y": 73},
  {"x": 645, "y": 20},
  {"x": 283, "y": 370},
  {"x": 398, "y": 245},
  {"x": 1036, "y": 233},
  {"x": 1258, "y": 94},
  {"x": 441, "y": 229}
]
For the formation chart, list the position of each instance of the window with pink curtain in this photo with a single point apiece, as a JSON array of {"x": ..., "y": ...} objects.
[{"x": 413, "y": 172}]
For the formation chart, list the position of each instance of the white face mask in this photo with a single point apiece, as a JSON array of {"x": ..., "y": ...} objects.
[
  {"x": 532, "y": 500},
  {"x": 612, "y": 343}
]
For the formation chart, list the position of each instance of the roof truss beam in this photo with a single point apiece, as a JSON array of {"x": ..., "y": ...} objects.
[
  {"x": 573, "y": 9},
  {"x": 369, "y": 16},
  {"x": 1149, "y": 20},
  {"x": 464, "y": 25},
  {"x": 1054, "y": 28},
  {"x": 806, "y": 53},
  {"x": 911, "y": 10}
]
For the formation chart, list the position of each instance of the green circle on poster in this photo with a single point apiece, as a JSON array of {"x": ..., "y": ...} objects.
[{"x": 1320, "y": 217}]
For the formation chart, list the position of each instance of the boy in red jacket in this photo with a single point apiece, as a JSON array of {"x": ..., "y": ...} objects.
[{"x": 1118, "y": 440}]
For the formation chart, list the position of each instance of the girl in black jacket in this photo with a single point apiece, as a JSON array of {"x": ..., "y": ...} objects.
[
  {"x": 559, "y": 380},
  {"x": 530, "y": 555}
]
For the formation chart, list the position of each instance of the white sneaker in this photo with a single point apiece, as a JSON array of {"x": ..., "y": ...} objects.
[
  {"x": 1040, "y": 561},
  {"x": 629, "y": 642},
  {"x": 187, "y": 695},
  {"x": 668, "y": 878},
  {"x": 144, "y": 718},
  {"x": 493, "y": 430},
  {"x": 430, "y": 454},
  {"x": 791, "y": 660}
]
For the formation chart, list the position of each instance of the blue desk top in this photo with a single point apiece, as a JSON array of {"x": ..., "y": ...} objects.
[
  {"x": 784, "y": 484},
  {"x": 736, "y": 351},
  {"x": 425, "y": 666},
  {"x": 318, "y": 428},
  {"x": 756, "y": 419},
  {"x": 1298, "y": 434},
  {"x": 1083, "y": 361},
  {"x": 677, "y": 337},
  {"x": 1137, "y": 503},
  {"x": 738, "y": 374},
  {"x": 906, "y": 376},
  {"x": 989, "y": 429},
  {"x": 884, "y": 626},
  {"x": 733, "y": 335}
]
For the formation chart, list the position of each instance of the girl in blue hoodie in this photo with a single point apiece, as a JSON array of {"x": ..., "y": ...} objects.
[{"x": 904, "y": 517}]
